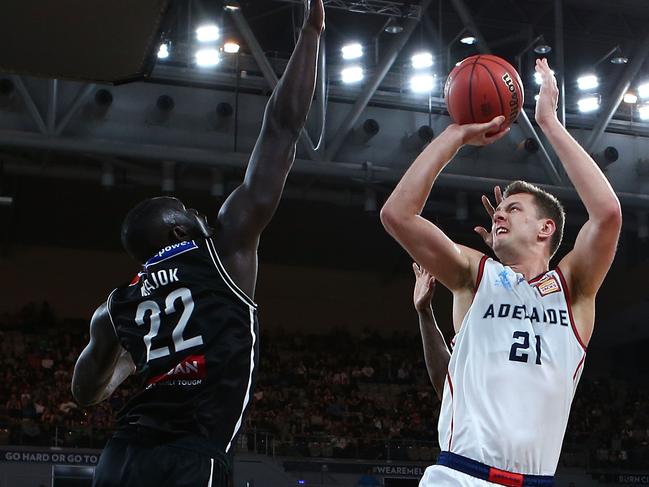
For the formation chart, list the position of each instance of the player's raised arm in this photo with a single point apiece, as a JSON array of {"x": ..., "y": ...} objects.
[
  {"x": 436, "y": 353},
  {"x": 250, "y": 207},
  {"x": 589, "y": 261},
  {"x": 103, "y": 364},
  {"x": 401, "y": 215}
]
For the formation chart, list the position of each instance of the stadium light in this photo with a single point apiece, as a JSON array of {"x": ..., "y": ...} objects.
[
  {"x": 469, "y": 40},
  {"x": 630, "y": 98},
  {"x": 208, "y": 33},
  {"x": 643, "y": 90},
  {"x": 422, "y": 60},
  {"x": 353, "y": 74},
  {"x": 422, "y": 83},
  {"x": 643, "y": 111},
  {"x": 163, "y": 52},
  {"x": 587, "y": 82},
  {"x": 231, "y": 47},
  {"x": 352, "y": 51},
  {"x": 207, "y": 57},
  {"x": 588, "y": 104}
]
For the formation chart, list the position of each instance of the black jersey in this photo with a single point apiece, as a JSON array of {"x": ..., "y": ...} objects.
[{"x": 193, "y": 336}]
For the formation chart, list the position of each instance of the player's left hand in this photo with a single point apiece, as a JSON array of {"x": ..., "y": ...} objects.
[
  {"x": 490, "y": 209},
  {"x": 424, "y": 287},
  {"x": 546, "y": 106},
  {"x": 314, "y": 14}
]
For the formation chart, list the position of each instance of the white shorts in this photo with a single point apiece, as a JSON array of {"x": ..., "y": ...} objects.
[{"x": 441, "y": 476}]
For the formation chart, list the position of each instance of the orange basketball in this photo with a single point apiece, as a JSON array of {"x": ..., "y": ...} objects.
[{"x": 482, "y": 87}]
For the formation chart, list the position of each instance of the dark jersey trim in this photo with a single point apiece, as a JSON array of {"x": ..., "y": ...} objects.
[
  {"x": 566, "y": 293},
  {"x": 226, "y": 277},
  {"x": 478, "y": 278}
]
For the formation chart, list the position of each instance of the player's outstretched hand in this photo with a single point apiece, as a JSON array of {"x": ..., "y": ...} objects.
[
  {"x": 424, "y": 287},
  {"x": 490, "y": 209},
  {"x": 546, "y": 106},
  {"x": 314, "y": 14},
  {"x": 481, "y": 133}
]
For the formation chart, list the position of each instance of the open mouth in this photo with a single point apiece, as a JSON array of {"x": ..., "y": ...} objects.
[{"x": 501, "y": 231}]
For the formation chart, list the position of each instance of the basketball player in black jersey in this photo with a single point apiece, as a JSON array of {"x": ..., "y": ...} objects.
[{"x": 186, "y": 326}]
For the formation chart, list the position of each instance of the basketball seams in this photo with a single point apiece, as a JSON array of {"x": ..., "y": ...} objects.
[
  {"x": 493, "y": 80},
  {"x": 475, "y": 61},
  {"x": 516, "y": 78},
  {"x": 455, "y": 76}
]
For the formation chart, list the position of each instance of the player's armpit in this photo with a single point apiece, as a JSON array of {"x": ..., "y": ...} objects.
[
  {"x": 453, "y": 265},
  {"x": 95, "y": 369}
]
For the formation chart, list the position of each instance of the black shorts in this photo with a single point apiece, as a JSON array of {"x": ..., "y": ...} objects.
[{"x": 129, "y": 461}]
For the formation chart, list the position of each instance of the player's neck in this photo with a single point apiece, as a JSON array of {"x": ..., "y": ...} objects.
[{"x": 530, "y": 266}]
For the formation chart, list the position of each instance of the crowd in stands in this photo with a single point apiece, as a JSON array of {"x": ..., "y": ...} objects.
[{"x": 333, "y": 395}]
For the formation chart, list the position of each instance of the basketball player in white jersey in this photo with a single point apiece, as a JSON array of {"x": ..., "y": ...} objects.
[{"x": 521, "y": 329}]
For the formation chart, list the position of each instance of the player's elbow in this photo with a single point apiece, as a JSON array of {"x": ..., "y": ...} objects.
[
  {"x": 391, "y": 219},
  {"x": 610, "y": 216}
]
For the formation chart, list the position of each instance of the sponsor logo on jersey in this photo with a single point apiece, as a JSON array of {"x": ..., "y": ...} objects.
[
  {"x": 548, "y": 285},
  {"x": 190, "y": 372},
  {"x": 171, "y": 251},
  {"x": 503, "y": 280}
]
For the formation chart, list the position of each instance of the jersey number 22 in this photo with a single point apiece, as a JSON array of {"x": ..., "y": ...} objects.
[{"x": 179, "y": 342}]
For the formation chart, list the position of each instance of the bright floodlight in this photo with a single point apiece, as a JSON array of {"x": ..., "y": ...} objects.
[
  {"x": 469, "y": 40},
  {"x": 588, "y": 104},
  {"x": 207, "y": 57},
  {"x": 422, "y": 83},
  {"x": 352, "y": 51},
  {"x": 422, "y": 60},
  {"x": 231, "y": 47},
  {"x": 587, "y": 82},
  {"x": 353, "y": 74},
  {"x": 630, "y": 98},
  {"x": 643, "y": 90},
  {"x": 163, "y": 52},
  {"x": 207, "y": 33},
  {"x": 644, "y": 112}
]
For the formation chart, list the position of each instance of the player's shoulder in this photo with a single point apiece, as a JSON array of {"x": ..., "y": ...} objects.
[{"x": 476, "y": 263}]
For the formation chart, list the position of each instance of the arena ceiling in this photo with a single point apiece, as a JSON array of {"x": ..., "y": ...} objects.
[{"x": 122, "y": 137}]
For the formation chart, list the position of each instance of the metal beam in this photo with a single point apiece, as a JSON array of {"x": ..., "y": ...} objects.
[
  {"x": 52, "y": 92},
  {"x": 377, "y": 7},
  {"x": 468, "y": 22},
  {"x": 29, "y": 103},
  {"x": 267, "y": 70},
  {"x": 637, "y": 60},
  {"x": 344, "y": 172},
  {"x": 74, "y": 108},
  {"x": 370, "y": 88}
]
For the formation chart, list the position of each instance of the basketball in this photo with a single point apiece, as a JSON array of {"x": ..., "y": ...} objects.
[{"x": 482, "y": 87}]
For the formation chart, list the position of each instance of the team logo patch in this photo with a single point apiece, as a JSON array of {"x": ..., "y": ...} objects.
[
  {"x": 171, "y": 251},
  {"x": 548, "y": 285},
  {"x": 190, "y": 372}
]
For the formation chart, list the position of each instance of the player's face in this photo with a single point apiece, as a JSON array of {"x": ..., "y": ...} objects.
[{"x": 515, "y": 225}]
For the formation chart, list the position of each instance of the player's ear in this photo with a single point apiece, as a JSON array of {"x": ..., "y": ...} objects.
[
  {"x": 179, "y": 234},
  {"x": 548, "y": 227}
]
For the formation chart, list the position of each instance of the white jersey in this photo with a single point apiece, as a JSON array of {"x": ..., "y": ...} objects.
[{"x": 513, "y": 372}]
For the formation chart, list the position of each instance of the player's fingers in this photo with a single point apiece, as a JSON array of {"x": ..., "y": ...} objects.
[
  {"x": 490, "y": 139},
  {"x": 482, "y": 232},
  {"x": 415, "y": 267},
  {"x": 498, "y": 194},
  {"x": 488, "y": 206}
]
